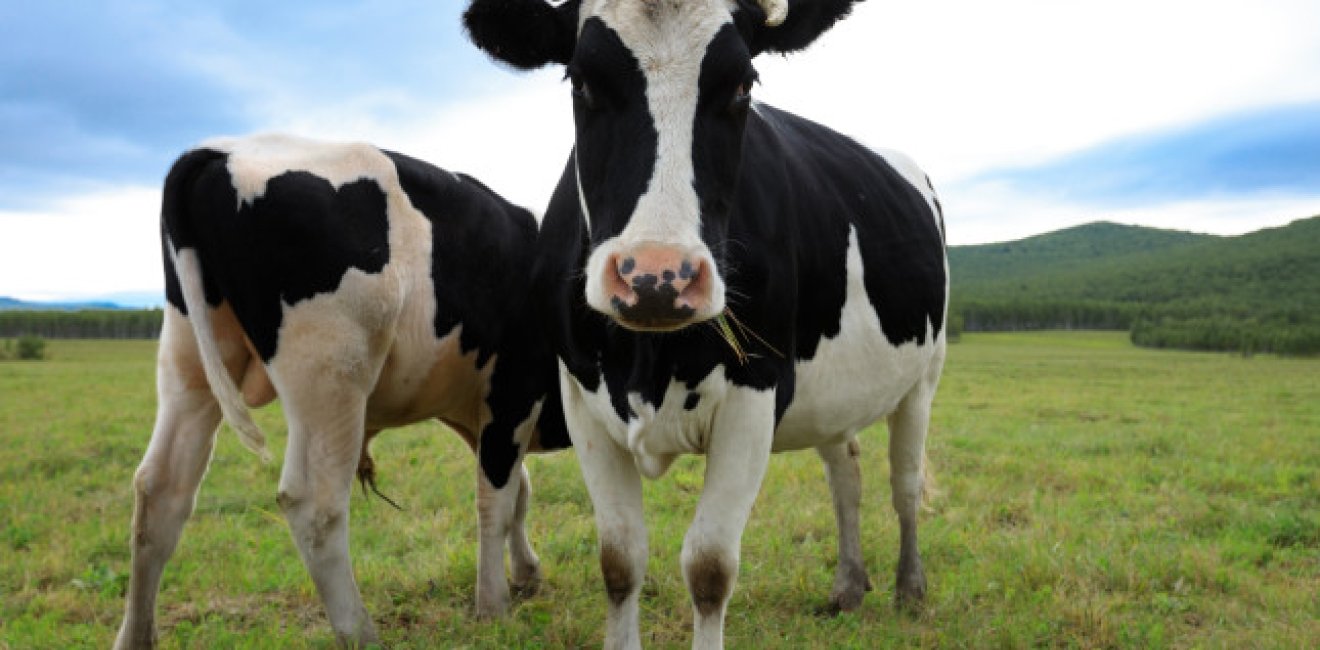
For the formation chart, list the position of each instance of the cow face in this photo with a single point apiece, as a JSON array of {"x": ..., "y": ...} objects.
[{"x": 661, "y": 94}]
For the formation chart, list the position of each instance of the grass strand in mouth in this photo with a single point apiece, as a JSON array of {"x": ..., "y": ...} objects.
[
  {"x": 748, "y": 333},
  {"x": 721, "y": 325}
]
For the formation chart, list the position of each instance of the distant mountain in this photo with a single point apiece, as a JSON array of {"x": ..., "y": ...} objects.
[
  {"x": 119, "y": 300},
  {"x": 13, "y": 304},
  {"x": 1084, "y": 248},
  {"x": 1259, "y": 291}
]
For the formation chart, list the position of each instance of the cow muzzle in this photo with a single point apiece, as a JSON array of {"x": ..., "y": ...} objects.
[{"x": 655, "y": 287}]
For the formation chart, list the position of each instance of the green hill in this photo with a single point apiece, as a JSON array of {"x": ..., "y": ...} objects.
[{"x": 1254, "y": 292}]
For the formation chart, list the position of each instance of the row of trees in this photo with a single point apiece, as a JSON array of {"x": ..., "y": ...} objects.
[
  {"x": 1193, "y": 325},
  {"x": 1218, "y": 332},
  {"x": 1022, "y": 315},
  {"x": 82, "y": 324},
  {"x": 1200, "y": 327}
]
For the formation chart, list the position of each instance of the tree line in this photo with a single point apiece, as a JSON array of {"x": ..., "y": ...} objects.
[
  {"x": 1194, "y": 325},
  {"x": 82, "y": 324}
]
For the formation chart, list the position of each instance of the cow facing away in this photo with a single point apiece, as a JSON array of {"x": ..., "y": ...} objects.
[
  {"x": 366, "y": 290},
  {"x": 725, "y": 278}
]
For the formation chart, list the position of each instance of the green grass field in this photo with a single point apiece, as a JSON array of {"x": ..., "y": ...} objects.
[{"x": 1093, "y": 495}]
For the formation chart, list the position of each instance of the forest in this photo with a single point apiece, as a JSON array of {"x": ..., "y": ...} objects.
[{"x": 81, "y": 323}]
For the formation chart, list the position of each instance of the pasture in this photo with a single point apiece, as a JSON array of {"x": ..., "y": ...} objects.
[{"x": 1092, "y": 495}]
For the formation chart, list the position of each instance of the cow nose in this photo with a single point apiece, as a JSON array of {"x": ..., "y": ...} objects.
[{"x": 657, "y": 287}]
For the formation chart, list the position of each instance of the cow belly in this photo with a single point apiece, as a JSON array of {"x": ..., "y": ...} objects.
[
  {"x": 425, "y": 377},
  {"x": 848, "y": 386},
  {"x": 856, "y": 377}
]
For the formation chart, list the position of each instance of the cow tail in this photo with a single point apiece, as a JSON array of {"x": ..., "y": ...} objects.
[
  {"x": 930, "y": 490},
  {"x": 222, "y": 384},
  {"x": 188, "y": 269}
]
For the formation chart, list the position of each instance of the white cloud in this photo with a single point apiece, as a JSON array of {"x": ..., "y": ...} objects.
[
  {"x": 515, "y": 137},
  {"x": 963, "y": 86},
  {"x": 89, "y": 245},
  {"x": 992, "y": 212}
]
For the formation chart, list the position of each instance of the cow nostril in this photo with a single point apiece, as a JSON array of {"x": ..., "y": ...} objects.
[
  {"x": 615, "y": 284},
  {"x": 668, "y": 275},
  {"x": 697, "y": 291},
  {"x": 627, "y": 266}
]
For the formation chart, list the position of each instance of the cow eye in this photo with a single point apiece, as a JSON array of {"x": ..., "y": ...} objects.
[
  {"x": 582, "y": 94},
  {"x": 742, "y": 98}
]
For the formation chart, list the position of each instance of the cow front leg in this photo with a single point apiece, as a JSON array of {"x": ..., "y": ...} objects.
[
  {"x": 502, "y": 513},
  {"x": 615, "y": 487},
  {"x": 324, "y": 446},
  {"x": 525, "y": 566},
  {"x": 907, "y": 457},
  {"x": 497, "y": 509},
  {"x": 845, "y": 477},
  {"x": 736, "y": 459}
]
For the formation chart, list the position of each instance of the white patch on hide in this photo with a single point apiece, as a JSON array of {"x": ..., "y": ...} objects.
[{"x": 856, "y": 377}]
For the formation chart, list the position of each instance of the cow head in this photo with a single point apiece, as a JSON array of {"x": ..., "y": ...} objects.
[{"x": 661, "y": 92}]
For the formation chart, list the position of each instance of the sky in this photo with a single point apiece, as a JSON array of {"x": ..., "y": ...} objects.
[{"x": 1029, "y": 115}]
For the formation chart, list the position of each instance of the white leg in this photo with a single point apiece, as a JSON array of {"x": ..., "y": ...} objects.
[
  {"x": 497, "y": 509},
  {"x": 907, "y": 456},
  {"x": 165, "y": 490},
  {"x": 501, "y": 514},
  {"x": 325, "y": 442},
  {"x": 850, "y": 580},
  {"x": 166, "y": 483},
  {"x": 525, "y": 566},
  {"x": 736, "y": 459},
  {"x": 615, "y": 487}
]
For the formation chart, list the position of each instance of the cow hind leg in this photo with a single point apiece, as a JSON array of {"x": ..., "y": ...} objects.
[
  {"x": 845, "y": 478},
  {"x": 907, "y": 457},
  {"x": 165, "y": 491},
  {"x": 324, "y": 445},
  {"x": 165, "y": 485}
]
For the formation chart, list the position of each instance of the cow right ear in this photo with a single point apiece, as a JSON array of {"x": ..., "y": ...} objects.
[
  {"x": 526, "y": 34},
  {"x": 767, "y": 28}
]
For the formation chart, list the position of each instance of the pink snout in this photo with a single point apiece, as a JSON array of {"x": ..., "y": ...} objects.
[{"x": 655, "y": 287}]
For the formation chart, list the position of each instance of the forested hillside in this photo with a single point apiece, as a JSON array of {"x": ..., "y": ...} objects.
[{"x": 1255, "y": 292}]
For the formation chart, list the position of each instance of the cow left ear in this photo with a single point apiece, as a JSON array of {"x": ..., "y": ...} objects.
[
  {"x": 806, "y": 20},
  {"x": 526, "y": 34}
]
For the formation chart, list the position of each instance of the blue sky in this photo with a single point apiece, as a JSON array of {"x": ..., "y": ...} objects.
[{"x": 1030, "y": 115}]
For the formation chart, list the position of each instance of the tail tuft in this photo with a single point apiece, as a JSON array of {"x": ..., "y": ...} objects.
[{"x": 930, "y": 489}]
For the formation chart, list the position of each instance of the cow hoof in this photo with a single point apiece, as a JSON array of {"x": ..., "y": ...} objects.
[
  {"x": 128, "y": 640},
  {"x": 848, "y": 593},
  {"x": 911, "y": 590},
  {"x": 490, "y": 611},
  {"x": 526, "y": 586}
]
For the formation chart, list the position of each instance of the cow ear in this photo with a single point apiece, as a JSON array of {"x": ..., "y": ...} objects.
[
  {"x": 526, "y": 34},
  {"x": 806, "y": 20}
]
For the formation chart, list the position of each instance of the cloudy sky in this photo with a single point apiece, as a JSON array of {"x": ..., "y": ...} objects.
[{"x": 1030, "y": 115}]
